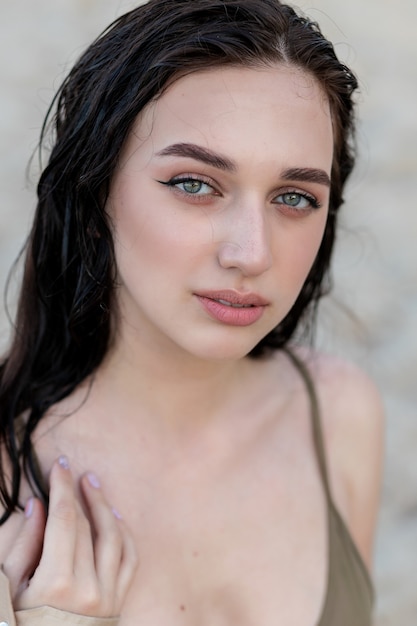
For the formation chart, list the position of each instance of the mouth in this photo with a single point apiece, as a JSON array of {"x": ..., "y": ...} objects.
[
  {"x": 233, "y": 308},
  {"x": 232, "y": 304},
  {"x": 234, "y": 299}
]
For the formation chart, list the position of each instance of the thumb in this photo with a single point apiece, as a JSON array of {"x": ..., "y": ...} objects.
[{"x": 23, "y": 558}]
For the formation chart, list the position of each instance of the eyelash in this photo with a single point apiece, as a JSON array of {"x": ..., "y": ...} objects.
[
  {"x": 314, "y": 203},
  {"x": 173, "y": 182}
]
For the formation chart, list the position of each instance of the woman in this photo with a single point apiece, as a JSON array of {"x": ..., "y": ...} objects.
[{"x": 151, "y": 404}]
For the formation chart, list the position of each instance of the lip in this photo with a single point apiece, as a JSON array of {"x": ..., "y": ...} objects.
[
  {"x": 235, "y": 297},
  {"x": 233, "y": 308}
]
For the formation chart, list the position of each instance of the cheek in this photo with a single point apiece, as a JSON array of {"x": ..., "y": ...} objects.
[
  {"x": 303, "y": 250},
  {"x": 155, "y": 235}
]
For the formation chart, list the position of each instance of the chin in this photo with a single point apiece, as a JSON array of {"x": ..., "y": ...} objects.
[{"x": 223, "y": 350}]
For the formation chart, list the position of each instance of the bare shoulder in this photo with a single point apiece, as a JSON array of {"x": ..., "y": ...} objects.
[
  {"x": 352, "y": 417},
  {"x": 350, "y": 394}
]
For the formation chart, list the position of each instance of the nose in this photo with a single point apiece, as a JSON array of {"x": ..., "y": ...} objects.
[{"x": 246, "y": 245}]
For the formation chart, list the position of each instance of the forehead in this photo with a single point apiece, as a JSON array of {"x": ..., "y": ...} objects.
[{"x": 235, "y": 110}]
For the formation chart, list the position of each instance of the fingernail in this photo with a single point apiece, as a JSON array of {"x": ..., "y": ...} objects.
[
  {"x": 63, "y": 461},
  {"x": 116, "y": 513},
  {"x": 93, "y": 480},
  {"x": 29, "y": 507}
]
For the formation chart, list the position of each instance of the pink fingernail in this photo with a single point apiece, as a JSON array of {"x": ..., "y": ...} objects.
[
  {"x": 116, "y": 513},
  {"x": 29, "y": 507},
  {"x": 93, "y": 480},
  {"x": 63, "y": 461}
]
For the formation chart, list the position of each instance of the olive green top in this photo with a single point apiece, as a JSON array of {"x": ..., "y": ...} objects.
[{"x": 349, "y": 595}]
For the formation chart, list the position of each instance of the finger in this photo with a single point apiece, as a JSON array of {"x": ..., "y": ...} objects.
[
  {"x": 25, "y": 554},
  {"x": 128, "y": 566},
  {"x": 66, "y": 576},
  {"x": 108, "y": 542},
  {"x": 61, "y": 525},
  {"x": 84, "y": 558}
]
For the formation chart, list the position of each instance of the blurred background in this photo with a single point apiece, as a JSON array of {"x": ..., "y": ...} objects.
[{"x": 372, "y": 313}]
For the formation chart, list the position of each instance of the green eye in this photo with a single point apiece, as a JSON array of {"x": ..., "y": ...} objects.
[
  {"x": 192, "y": 186},
  {"x": 295, "y": 200}
]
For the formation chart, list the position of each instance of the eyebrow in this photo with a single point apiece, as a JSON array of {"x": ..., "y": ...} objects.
[
  {"x": 193, "y": 151},
  {"x": 307, "y": 174}
]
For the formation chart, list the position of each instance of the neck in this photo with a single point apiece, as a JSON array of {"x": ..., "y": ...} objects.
[{"x": 180, "y": 389}]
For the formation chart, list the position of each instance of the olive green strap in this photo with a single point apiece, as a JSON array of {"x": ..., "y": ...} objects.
[{"x": 302, "y": 368}]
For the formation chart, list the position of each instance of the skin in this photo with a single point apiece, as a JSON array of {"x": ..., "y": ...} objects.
[
  {"x": 97, "y": 555},
  {"x": 207, "y": 454},
  {"x": 235, "y": 233}
]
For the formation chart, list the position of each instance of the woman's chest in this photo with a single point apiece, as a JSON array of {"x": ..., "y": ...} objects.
[
  {"x": 232, "y": 554},
  {"x": 229, "y": 587},
  {"x": 221, "y": 538}
]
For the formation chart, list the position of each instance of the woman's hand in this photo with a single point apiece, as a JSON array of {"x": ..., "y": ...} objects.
[{"x": 73, "y": 560}]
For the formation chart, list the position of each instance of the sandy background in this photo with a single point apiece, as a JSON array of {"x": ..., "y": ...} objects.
[{"x": 376, "y": 261}]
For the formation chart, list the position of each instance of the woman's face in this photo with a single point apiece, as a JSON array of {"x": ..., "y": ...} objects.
[{"x": 218, "y": 209}]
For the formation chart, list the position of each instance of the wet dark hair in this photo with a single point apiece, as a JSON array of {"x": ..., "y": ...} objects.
[{"x": 63, "y": 326}]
